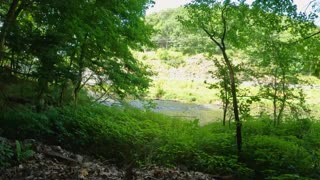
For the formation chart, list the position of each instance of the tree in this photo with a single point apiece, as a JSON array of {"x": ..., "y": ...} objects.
[
  {"x": 15, "y": 7},
  {"x": 65, "y": 41},
  {"x": 170, "y": 33},
  {"x": 274, "y": 49},
  {"x": 220, "y": 20},
  {"x": 223, "y": 85}
]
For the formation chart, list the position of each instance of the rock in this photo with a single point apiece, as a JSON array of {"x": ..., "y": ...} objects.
[
  {"x": 87, "y": 164},
  {"x": 3, "y": 140},
  {"x": 30, "y": 177},
  {"x": 29, "y": 141},
  {"x": 79, "y": 158},
  {"x": 59, "y": 157},
  {"x": 57, "y": 149}
]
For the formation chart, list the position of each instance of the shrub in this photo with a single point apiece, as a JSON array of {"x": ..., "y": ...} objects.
[
  {"x": 160, "y": 92},
  {"x": 6, "y": 155},
  {"x": 271, "y": 156},
  {"x": 170, "y": 57},
  {"x": 25, "y": 123}
]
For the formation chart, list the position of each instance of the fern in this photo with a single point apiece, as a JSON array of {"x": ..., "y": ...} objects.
[
  {"x": 18, "y": 151},
  {"x": 23, "y": 153}
]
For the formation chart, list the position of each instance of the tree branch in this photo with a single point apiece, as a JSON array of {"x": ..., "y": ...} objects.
[
  {"x": 307, "y": 7},
  {"x": 224, "y": 25},
  {"x": 310, "y": 36},
  {"x": 211, "y": 37}
]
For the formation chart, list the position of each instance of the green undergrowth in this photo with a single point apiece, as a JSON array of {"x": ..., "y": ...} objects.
[{"x": 125, "y": 136}]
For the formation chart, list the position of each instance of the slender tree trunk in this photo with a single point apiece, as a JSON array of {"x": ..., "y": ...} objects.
[
  {"x": 226, "y": 102},
  {"x": 62, "y": 92},
  {"x": 64, "y": 85},
  {"x": 10, "y": 17},
  {"x": 43, "y": 89},
  {"x": 275, "y": 93},
  {"x": 283, "y": 105},
  {"x": 12, "y": 63},
  {"x": 77, "y": 87},
  {"x": 225, "y": 109},
  {"x": 234, "y": 99},
  {"x": 78, "y": 82},
  {"x": 284, "y": 98}
]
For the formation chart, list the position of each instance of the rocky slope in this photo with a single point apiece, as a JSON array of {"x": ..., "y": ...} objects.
[{"x": 195, "y": 68}]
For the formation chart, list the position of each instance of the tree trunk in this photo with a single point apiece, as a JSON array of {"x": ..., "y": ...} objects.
[
  {"x": 226, "y": 102},
  {"x": 11, "y": 15},
  {"x": 284, "y": 97},
  {"x": 275, "y": 107},
  {"x": 234, "y": 99},
  {"x": 43, "y": 89},
  {"x": 62, "y": 92},
  {"x": 225, "y": 109},
  {"x": 232, "y": 82},
  {"x": 78, "y": 82}
]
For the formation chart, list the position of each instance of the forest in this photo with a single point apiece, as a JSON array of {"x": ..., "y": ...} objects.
[{"x": 216, "y": 89}]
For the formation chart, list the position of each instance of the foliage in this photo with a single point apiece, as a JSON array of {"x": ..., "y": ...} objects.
[
  {"x": 170, "y": 34},
  {"x": 59, "y": 47},
  {"x": 160, "y": 92},
  {"x": 172, "y": 58},
  {"x": 276, "y": 53},
  {"x": 275, "y": 41},
  {"x": 24, "y": 123},
  {"x": 221, "y": 22},
  {"x": 10, "y": 154},
  {"x": 62, "y": 45},
  {"x": 6, "y": 154},
  {"x": 272, "y": 156},
  {"x": 124, "y": 135},
  {"x": 23, "y": 151}
]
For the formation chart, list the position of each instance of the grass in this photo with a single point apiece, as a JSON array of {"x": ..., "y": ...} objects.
[{"x": 185, "y": 91}]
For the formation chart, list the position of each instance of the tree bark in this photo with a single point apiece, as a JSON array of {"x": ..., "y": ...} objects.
[
  {"x": 275, "y": 94},
  {"x": 284, "y": 97},
  {"x": 10, "y": 17},
  {"x": 78, "y": 82},
  {"x": 234, "y": 99},
  {"x": 226, "y": 101}
]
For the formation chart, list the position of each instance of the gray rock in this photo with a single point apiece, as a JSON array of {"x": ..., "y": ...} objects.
[
  {"x": 79, "y": 158},
  {"x": 29, "y": 141}
]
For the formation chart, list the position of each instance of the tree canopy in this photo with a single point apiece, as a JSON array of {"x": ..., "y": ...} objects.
[{"x": 55, "y": 42}]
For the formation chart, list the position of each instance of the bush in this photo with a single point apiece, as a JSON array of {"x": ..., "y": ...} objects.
[
  {"x": 10, "y": 154},
  {"x": 271, "y": 156},
  {"x": 160, "y": 92},
  {"x": 6, "y": 154},
  {"x": 25, "y": 123},
  {"x": 172, "y": 58}
]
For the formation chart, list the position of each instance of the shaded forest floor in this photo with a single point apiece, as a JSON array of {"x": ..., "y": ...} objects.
[{"x": 53, "y": 162}]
